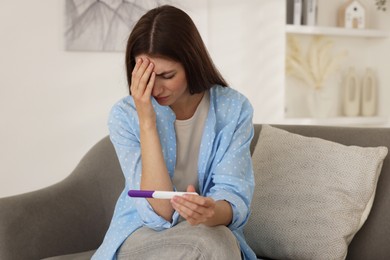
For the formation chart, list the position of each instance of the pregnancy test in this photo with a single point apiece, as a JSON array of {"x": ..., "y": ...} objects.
[{"x": 157, "y": 194}]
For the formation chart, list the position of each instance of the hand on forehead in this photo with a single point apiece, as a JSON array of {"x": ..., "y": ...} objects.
[{"x": 161, "y": 64}]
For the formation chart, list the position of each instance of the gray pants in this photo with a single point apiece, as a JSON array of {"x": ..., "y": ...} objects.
[{"x": 182, "y": 241}]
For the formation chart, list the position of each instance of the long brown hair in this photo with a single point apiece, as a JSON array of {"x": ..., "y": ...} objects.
[{"x": 168, "y": 32}]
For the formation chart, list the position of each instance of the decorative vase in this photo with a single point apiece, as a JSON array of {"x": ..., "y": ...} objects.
[
  {"x": 352, "y": 92},
  {"x": 369, "y": 94},
  {"x": 320, "y": 102}
]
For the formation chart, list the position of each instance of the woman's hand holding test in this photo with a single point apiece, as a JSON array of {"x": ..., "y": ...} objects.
[{"x": 202, "y": 210}]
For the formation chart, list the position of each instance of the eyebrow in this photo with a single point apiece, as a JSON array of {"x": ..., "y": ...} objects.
[{"x": 165, "y": 72}]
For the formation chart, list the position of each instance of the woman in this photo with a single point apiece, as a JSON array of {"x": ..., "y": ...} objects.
[{"x": 181, "y": 129}]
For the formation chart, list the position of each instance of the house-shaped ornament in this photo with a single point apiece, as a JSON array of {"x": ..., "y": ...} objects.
[{"x": 352, "y": 15}]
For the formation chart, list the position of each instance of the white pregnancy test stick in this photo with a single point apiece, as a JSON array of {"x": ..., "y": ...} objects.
[{"x": 157, "y": 194}]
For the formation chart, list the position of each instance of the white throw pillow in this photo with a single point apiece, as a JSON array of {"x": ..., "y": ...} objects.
[{"x": 310, "y": 196}]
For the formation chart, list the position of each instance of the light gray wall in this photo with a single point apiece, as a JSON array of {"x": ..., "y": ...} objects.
[{"x": 54, "y": 104}]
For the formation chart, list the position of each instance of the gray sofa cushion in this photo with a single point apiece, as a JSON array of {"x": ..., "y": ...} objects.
[
  {"x": 372, "y": 239},
  {"x": 310, "y": 195},
  {"x": 78, "y": 256}
]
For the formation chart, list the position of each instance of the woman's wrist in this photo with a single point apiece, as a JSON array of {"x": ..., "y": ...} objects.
[
  {"x": 147, "y": 125},
  {"x": 223, "y": 214}
]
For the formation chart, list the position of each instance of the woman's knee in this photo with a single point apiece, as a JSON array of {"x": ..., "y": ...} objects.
[
  {"x": 215, "y": 242},
  {"x": 183, "y": 240}
]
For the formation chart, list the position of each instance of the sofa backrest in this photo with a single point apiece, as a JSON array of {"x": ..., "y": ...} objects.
[
  {"x": 99, "y": 181},
  {"x": 373, "y": 239},
  {"x": 371, "y": 242}
]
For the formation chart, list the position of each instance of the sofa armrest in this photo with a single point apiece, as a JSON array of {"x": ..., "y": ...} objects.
[
  {"x": 68, "y": 217},
  {"x": 53, "y": 221}
]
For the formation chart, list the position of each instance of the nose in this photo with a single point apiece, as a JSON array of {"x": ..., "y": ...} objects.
[{"x": 157, "y": 88}]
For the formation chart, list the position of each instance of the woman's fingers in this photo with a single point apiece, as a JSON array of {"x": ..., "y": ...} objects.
[
  {"x": 141, "y": 76},
  {"x": 191, "y": 188},
  {"x": 195, "y": 209},
  {"x": 194, "y": 218},
  {"x": 135, "y": 76},
  {"x": 149, "y": 87},
  {"x": 136, "y": 67},
  {"x": 145, "y": 77}
]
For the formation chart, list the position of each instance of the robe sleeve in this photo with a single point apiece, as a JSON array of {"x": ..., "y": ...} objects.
[
  {"x": 124, "y": 134},
  {"x": 232, "y": 176}
]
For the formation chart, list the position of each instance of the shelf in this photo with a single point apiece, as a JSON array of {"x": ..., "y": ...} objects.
[
  {"x": 341, "y": 121},
  {"x": 336, "y": 31}
]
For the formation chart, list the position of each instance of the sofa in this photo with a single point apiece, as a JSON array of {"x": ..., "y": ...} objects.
[{"x": 68, "y": 220}]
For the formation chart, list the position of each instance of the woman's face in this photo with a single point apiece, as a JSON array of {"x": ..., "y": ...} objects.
[{"x": 170, "y": 87}]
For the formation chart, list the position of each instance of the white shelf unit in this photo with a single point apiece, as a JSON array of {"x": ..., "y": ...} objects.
[
  {"x": 340, "y": 121},
  {"x": 338, "y": 32}
]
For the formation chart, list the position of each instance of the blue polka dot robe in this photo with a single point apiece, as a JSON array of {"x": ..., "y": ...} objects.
[{"x": 224, "y": 168}]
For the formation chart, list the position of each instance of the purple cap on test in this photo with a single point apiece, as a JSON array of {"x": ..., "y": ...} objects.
[{"x": 141, "y": 193}]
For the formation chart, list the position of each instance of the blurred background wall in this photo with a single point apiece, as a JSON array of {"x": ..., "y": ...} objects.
[{"x": 54, "y": 103}]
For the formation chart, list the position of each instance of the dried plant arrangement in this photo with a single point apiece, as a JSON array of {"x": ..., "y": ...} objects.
[
  {"x": 316, "y": 65},
  {"x": 381, "y": 5}
]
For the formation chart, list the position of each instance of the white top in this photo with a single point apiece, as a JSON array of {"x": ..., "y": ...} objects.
[{"x": 188, "y": 137}]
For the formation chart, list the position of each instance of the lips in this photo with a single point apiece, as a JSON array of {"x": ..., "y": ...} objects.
[{"x": 162, "y": 99}]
